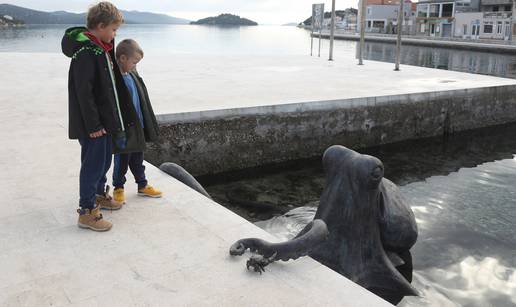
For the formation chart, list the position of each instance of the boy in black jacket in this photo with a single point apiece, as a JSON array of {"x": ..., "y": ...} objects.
[
  {"x": 98, "y": 108},
  {"x": 128, "y": 54}
]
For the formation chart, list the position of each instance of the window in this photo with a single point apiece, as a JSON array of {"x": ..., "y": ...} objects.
[
  {"x": 488, "y": 27},
  {"x": 434, "y": 10},
  {"x": 447, "y": 10},
  {"x": 495, "y": 8},
  {"x": 368, "y": 11},
  {"x": 422, "y": 28},
  {"x": 465, "y": 30},
  {"x": 507, "y": 8},
  {"x": 422, "y": 10},
  {"x": 379, "y": 24},
  {"x": 499, "y": 27},
  {"x": 369, "y": 23}
]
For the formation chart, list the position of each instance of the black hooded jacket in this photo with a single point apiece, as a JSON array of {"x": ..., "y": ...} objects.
[{"x": 91, "y": 103}]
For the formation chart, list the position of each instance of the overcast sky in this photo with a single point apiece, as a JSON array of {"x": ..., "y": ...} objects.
[{"x": 261, "y": 11}]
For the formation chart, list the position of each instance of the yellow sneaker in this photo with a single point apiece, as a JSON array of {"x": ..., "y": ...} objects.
[
  {"x": 118, "y": 195},
  {"x": 149, "y": 191}
]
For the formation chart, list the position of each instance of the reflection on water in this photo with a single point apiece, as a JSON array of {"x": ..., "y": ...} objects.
[
  {"x": 466, "y": 252},
  {"x": 470, "y": 282},
  {"x": 502, "y": 65},
  {"x": 261, "y": 40},
  {"x": 464, "y": 203},
  {"x": 173, "y": 39}
]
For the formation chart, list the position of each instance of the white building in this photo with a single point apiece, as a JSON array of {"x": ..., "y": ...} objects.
[
  {"x": 438, "y": 17},
  {"x": 493, "y": 22},
  {"x": 497, "y": 19},
  {"x": 468, "y": 25},
  {"x": 496, "y": 25},
  {"x": 384, "y": 18}
]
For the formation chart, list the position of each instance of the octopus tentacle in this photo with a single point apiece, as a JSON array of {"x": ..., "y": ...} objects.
[{"x": 315, "y": 233}]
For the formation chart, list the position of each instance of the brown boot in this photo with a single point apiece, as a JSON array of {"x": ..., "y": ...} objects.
[
  {"x": 92, "y": 219},
  {"x": 106, "y": 201}
]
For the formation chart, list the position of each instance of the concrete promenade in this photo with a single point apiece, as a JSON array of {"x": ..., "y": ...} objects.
[
  {"x": 480, "y": 45},
  {"x": 167, "y": 252},
  {"x": 198, "y": 85},
  {"x": 223, "y": 114}
]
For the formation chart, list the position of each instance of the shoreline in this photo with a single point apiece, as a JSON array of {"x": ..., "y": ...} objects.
[{"x": 428, "y": 42}]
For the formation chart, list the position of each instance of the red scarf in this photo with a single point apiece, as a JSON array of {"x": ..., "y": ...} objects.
[{"x": 106, "y": 46}]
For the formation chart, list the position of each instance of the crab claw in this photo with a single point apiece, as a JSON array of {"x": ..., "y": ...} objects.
[
  {"x": 257, "y": 267},
  {"x": 258, "y": 263}
]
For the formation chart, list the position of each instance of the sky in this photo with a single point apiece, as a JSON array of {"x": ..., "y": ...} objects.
[{"x": 261, "y": 11}]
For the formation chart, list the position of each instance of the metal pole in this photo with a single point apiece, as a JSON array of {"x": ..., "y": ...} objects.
[
  {"x": 320, "y": 38},
  {"x": 511, "y": 25},
  {"x": 332, "y": 30},
  {"x": 362, "y": 32},
  {"x": 312, "y": 31},
  {"x": 400, "y": 29},
  {"x": 312, "y": 39}
]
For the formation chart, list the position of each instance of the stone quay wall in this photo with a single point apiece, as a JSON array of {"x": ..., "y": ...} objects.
[{"x": 210, "y": 142}]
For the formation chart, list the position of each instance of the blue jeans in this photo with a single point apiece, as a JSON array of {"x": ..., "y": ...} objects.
[
  {"x": 134, "y": 161},
  {"x": 96, "y": 155}
]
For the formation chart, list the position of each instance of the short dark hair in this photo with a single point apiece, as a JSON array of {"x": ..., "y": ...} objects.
[
  {"x": 103, "y": 12},
  {"x": 128, "y": 47}
]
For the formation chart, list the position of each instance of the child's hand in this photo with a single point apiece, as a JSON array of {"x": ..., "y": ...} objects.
[{"x": 98, "y": 134}]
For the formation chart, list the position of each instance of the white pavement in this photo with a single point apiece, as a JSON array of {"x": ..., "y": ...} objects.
[
  {"x": 186, "y": 83},
  {"x": 167, "y": 252},
  {"x": 172, "y": 251}
]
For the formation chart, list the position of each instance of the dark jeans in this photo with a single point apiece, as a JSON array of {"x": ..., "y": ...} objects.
[
  {"x": 96, "y": 157},
  {"x": 135, "y": 162}
]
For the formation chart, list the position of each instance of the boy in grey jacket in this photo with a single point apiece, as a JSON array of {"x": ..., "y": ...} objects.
[{"x": 128, "y": 54}]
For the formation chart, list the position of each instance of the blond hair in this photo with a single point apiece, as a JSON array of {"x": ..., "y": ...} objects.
[
  {"x": 103, "y": 13},
  {"x": 128, "y": 47}
]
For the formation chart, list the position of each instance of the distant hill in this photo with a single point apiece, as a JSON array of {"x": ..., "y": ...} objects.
[
  {"x": 61, "y": 17},
  {"x": 225, "y": 20},
  {"x": 290, "y": 24},
  {"x": 152, "y": 18}
]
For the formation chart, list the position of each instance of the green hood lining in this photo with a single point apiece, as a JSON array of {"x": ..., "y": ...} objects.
[{"x": 78, "y": 35}]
